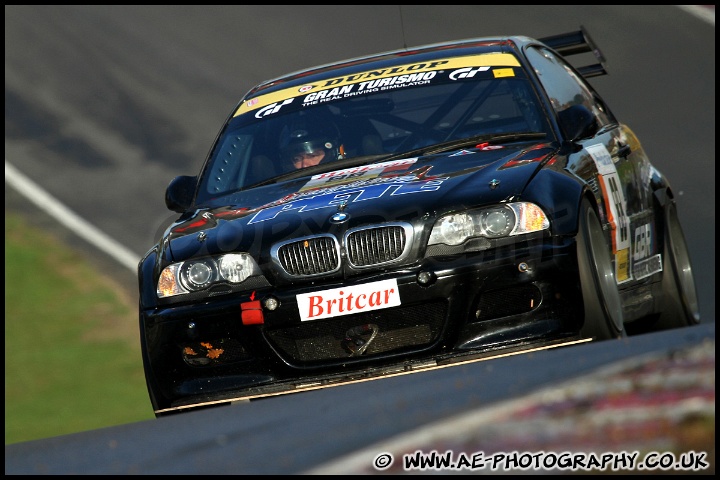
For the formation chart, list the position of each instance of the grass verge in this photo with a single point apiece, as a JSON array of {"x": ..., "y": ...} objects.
[{"x": 72, "y": 356}]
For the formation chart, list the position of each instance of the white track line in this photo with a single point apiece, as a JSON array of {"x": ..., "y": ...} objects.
[
  {"x": 69, "y": 219},
  {"x": 704, "y": 12}
]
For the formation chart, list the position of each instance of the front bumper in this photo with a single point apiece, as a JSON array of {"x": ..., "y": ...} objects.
[{"x": 480, "y": 303}]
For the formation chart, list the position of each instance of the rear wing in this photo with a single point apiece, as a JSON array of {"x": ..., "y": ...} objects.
[{"x": 574, "y": 43}]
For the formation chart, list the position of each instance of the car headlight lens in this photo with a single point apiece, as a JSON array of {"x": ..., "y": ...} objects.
[
  {"x": 498, "y": 222},
  {"x": 492, "y": 222},
  {"x": 236, "y": 268},
  {"x": 452, "y": 229},
  {"x": 198, "y": 274}
]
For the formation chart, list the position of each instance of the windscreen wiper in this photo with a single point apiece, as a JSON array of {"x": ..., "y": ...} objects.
[{"x": 493, "y": 138}]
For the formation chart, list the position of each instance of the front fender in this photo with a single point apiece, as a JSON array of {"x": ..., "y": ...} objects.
[
  {"x": 146, "y": 279},
  {"x": 559, "y": 195}
]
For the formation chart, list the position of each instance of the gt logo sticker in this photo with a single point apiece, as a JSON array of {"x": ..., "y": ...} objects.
[
  {"x": 272, "y": 108},
  {"x": 468, "y": 72}
]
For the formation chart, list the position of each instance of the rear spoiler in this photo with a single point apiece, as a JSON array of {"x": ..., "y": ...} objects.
[{"x": 573, "y": 43}]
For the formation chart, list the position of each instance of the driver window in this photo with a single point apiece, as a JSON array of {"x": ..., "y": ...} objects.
[{"x": 564, "y": 86}]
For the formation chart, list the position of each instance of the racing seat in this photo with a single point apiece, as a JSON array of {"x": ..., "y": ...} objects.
[{"x": 261, "y": 167}]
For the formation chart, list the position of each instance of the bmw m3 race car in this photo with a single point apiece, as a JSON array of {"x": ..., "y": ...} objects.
[{"x": 407, "y": 210}]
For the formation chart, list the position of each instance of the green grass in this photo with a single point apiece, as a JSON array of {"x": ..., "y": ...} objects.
[{"x": 72, "y": 356}]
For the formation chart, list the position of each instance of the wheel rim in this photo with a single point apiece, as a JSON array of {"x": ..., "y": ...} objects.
[
  {"x": 605, "y": 274},
  {"x": 682, "y": 266}
]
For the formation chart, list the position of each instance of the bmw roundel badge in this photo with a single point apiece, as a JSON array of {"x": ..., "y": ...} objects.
[{"x": 339, "y": 217}]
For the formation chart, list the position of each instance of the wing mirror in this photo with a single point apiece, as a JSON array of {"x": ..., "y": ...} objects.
[
  {"x": 180, "y": 192},
  {"x": 578, "y": 122}
]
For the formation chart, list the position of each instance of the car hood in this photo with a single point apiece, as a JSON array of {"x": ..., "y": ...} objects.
[{"x": 414, "y": 190}]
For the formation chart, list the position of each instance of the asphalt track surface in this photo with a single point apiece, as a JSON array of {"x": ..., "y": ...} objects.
[{"x": 105, "y": 104}]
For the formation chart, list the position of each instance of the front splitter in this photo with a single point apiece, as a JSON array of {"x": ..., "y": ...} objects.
[{"x": 326, "y": 381}]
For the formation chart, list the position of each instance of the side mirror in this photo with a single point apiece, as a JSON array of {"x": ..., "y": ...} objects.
[
  {"x": 578, "y": 122},
  {"x": 180, "y": 192}
]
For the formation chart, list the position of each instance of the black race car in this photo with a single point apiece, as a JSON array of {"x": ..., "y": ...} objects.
[{"x": 409, "y": 210}]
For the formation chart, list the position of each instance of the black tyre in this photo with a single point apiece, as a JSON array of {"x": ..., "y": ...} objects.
[
  {"x": 601, "y": 298},
  {"x": 679, "y": 301}
]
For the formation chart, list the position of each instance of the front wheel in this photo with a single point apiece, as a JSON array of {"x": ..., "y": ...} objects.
[
  {"x": 601, "y": 298},
  {"x": 679, "y": 301}
]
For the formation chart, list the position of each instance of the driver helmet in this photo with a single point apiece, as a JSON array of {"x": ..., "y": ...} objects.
[{"x": 308, "y": 134}]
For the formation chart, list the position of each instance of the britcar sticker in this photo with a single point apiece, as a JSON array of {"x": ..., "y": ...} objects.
[
  {"x": 348, "y": 300},
  {"x": 616, "y": 208},
  {"x": 412, "y": 72}
]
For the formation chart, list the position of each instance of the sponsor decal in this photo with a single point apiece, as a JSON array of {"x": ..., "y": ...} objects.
[
  {"x": 348, "y": 300},
  {"x": 363, "y": 172},
  {"x": 642, "y": 242},
  {"x": 357, "y": 184},
  {"x": 642, "y": 249},
  {"x": 486, "y": 146},
  {"x": 461, "y": 152},
  {"x": 333, "y": 196},
  {"x": 369, "y": 86},
  {"x": 272, "y": 108},
  {"x": 601, "y": 157},
  {"x": 467, "y": 72},
  {"x": 647, "y": 267},
  {"x": 503, "y": 72},
  {"x": 622, "y": 266},
  {"x": 386, "y": 78},
  {"x": 615, "y": 206}
]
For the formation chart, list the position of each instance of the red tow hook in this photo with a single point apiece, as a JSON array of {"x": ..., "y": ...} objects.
[{"x": 251, "y": 313}]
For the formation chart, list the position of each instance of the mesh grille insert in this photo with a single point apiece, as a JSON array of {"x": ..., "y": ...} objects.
[
  {"x": 400, "y": 328},
  {"x": 508, "y": 301}
]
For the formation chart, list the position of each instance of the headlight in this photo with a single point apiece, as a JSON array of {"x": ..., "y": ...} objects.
[
  {"x": 198, "y": 274},
  {"x": 493, "y": 222},
  {"x": 452, "y": 229}
]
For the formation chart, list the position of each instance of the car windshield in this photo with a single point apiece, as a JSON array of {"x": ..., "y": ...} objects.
[{"x": 368, "y": 119}]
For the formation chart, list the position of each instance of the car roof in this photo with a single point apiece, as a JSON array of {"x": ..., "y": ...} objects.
[{"x": 474, "y": 46}]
